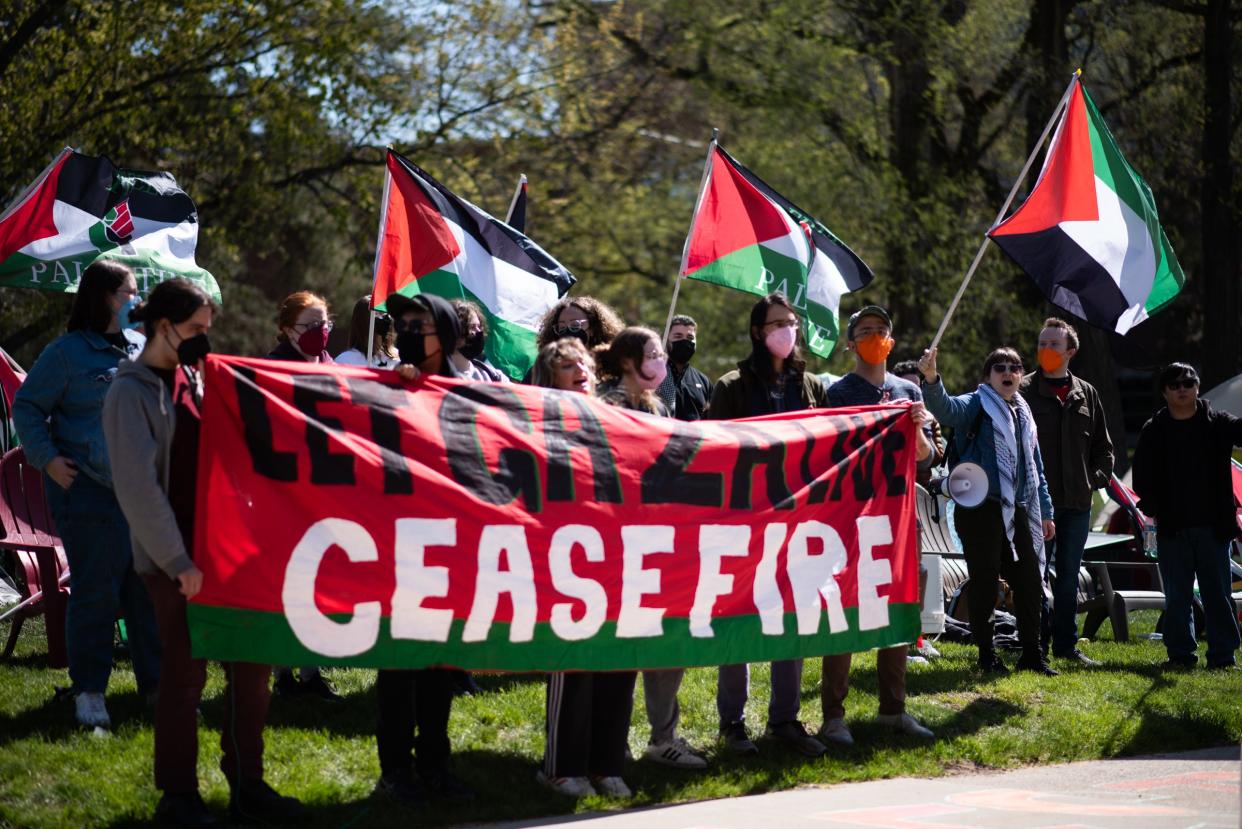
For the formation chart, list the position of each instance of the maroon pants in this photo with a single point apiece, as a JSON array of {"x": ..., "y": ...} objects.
[
  {"x": 182, "y": 678},
  {"x": 890, "y": 664}
]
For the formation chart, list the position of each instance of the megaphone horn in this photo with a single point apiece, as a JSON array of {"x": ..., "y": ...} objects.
[{"x": 967, "y": 485}]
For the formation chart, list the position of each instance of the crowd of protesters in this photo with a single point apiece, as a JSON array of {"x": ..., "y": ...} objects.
[{"x": 110, "y": 414}]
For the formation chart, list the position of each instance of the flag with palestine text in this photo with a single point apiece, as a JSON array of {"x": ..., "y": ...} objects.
[
  {"x": 1089, "y": 233},
  {"x": 748, "y": 237},
  {"x": 84, "y": 207},
  {"x": 433, "y": 241},
  {"x": 508, "y": 527}
]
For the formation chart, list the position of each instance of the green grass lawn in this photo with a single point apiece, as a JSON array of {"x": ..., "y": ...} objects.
[{"x": 52, "y": 774}]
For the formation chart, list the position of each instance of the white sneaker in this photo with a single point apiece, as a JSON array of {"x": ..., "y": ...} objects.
[
  {"x": 612, "y": 787},
  {"x": 836, "y": 732},
  {"x": 916, "y": 659},
  {"x": 571, "y": 786},
  {"x": 905, "y": 724},
  {"x": 91, "y": 710},
  {"x": 675, "y": 753},
  {"x": 928, "y": 650}
]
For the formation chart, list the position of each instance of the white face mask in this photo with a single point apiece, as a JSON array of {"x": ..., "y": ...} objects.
[
  {"x": 655, "y": 370},
  {"x": 781, "y": 341}
]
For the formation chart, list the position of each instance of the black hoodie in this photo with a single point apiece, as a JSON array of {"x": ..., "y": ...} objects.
[{"x": 448, "y": 329}]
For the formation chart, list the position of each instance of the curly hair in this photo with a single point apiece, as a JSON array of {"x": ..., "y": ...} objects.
[
  {"x": 543, "y": 373},
  {"x": 603, "y": 324}
]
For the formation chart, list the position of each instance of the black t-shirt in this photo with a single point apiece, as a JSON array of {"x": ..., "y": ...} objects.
[
  {"x": 1187, "y": 446},
  {"x": 183, "y": 454}
]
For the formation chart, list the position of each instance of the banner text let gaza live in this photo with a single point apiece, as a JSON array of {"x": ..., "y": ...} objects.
[{"x": 349, "y": 519}]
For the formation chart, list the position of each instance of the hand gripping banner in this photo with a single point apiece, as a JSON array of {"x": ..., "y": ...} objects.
[{"x": 347, "y": 519}]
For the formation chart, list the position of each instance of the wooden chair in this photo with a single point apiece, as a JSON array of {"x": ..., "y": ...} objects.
[{"x": 31, "y": 542}]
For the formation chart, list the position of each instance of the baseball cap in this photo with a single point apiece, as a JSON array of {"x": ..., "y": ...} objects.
[{"x": 867, "y": 311}]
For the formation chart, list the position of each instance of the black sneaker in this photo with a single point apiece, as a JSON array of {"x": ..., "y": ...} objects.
[
  {"x": 991, "y": 663},
  {"x": 402, "y": 788},
  {"x": 318, "y": 686},
  {"x": 442, "y": 785},
  {"x": 1033, "y": 660},
  {"x": 184, "y": 810},
  {"x": 464, "y": 684},
  {"x": 736, "y": 740},
  {"x": 1222, "y": 666},
  {"x": 1078, "y": 656},
  {"x": 286, "y": 685},
  {"x": 1172, "y": 664},
  {"x": 794, "y": 735},
  {"x": 256, "y": 802}
]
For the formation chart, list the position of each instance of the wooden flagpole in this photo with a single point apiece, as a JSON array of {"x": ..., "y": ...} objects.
[
  {"x": 685, "y": 250},
  {"x": 970, "y": 272},
  {"x": 379, "y": 249}
]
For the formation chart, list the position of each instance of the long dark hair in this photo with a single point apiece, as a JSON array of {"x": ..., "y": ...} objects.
[
  {"x": 760, "y": 357},
  {"x": 175, "y": 300},
  {"x": 360, "y": 326},
  {"x": 602, "y": 322},
  {"x": 99, "y": 282}
]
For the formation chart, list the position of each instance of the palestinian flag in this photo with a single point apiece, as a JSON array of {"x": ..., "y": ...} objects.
[
  {"x": 516, "y": 218},
  {"x": 83, "y": 207},
  {"x": 748, "y": 237},
  {"x": 11, "y": 376},
  {"x": 433, "y": 241},
  {"x": 1089, "y": 234}
]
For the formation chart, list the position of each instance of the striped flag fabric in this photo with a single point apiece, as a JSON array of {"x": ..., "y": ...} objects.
[
  {"x": 83, "y": 207},
  {"x": 748, "y": 237},
  {"x": 433, "y": 241},
  {"x": 1089, "y": 233}
]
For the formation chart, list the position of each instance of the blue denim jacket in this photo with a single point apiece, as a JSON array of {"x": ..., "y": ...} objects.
[
  {"x": 58, "y": 409},
  {"x": 960, "y": 412}
]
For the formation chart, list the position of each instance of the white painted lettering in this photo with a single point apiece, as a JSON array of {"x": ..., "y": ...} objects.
[{"x": 311, "y": 626}]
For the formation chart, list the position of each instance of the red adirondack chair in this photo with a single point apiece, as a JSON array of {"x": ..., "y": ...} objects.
[{"x": 29, "y": 539}]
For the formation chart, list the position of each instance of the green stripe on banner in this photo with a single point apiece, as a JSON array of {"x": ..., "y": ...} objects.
[
  {"x": 510, "y": 347},
  {"x": 265, "y": 637},
  {"x": 756, "y": 270},
  {"x": 63, "y": 275}
]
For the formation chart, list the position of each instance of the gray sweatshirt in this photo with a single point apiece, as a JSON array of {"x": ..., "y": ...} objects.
[{"x": 138, "y": 423}]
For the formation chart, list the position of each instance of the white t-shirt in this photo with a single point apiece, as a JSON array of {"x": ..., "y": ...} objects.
[{"x": 354, "y": 357}]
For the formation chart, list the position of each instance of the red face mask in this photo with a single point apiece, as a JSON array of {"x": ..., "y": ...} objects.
[{"x": 314, "y": 341}]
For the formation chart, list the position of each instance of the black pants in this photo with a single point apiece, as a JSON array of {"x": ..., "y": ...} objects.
[
  {"x": 988, "y": 557},
  {"x": 588, "y": 723},
  {"x": 409, "y": 699}
]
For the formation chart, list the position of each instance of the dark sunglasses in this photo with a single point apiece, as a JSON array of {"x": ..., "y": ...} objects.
[
  {"x": 1001, "y": 368},
  {"x": 1187, "y": 383},
  {"x": 574, "y": 325}
]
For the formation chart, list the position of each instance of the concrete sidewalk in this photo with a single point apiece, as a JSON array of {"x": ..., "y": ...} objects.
[{"x": 1198, "y": 789}]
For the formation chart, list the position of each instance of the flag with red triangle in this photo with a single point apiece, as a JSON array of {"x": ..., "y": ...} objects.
[
  {"x": 84, "y": 207},
  {"x": 11, "y": 377},
  {"x": 1089, "y": 233},
  {"x": 748, "y": 237},
  {"x": 433, "y": 241}
]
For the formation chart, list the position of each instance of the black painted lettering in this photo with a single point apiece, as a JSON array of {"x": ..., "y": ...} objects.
[
  {"x": 517, "y": 472},
  {"x": 382, "y": 403},
  {"x": 589, "y": 436},
  {"x": 757, "y": 450},
  {"x": 667, "y": 482},
  {"x": 257, "y": 428},
  {"x": 309, "y": 390}
]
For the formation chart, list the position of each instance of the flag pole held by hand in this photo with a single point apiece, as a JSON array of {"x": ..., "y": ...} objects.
[
  {"x": 1030, "y": 159},
  {"x": 681, "y": 271}
]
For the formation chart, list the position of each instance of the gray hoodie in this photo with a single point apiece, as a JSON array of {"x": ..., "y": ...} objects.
[{"x": 138, "y": 423}]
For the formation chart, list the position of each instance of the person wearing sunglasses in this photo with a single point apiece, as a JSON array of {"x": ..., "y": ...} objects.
[
  {"x": 1183, "y": 478},
  {"x": 383, "y": 350},
  {"x": 583, "y": 318},
  {"x": 1005, "y": 535},
  {"x": 302, "y": 328},
  {"x": 1078, "y": 458}
]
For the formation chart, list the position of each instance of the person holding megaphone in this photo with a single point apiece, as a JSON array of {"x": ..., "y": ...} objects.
[{"x": 1004, "y": 535}]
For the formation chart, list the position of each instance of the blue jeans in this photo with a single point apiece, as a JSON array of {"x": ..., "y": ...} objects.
[
  {"x": 733, "y": 688},
  {"x": 1183, "y": 555},
  {"x": 1064, "y": 553},
  {"x": 102, "y": 582}
]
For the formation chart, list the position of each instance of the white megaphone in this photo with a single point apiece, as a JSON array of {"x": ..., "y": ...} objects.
[{"x": 967, "y": 485}]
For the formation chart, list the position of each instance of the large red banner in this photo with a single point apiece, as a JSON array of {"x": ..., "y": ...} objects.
[{"x": 346, "y": 518}]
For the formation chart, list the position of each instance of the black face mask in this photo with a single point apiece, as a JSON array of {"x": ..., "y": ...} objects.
[
  {"x": 681, "y": 351},
  {"x": 194, "y": 349},
  {"x": 412, "y": 347},
  {"x": 472, "y": 348}
]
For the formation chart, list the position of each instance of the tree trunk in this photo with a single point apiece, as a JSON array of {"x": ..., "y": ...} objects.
[{"x": 1222, "y": 356}]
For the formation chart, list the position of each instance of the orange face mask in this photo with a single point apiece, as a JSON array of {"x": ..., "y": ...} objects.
[
  {"x": 1051, "y": 360},
  {"x": 875, "y": 348}
]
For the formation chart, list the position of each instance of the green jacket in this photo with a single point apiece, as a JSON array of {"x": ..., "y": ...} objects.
[
  {"x": 1073, "y": 438},
  {"x": 737, "y": 394}
]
